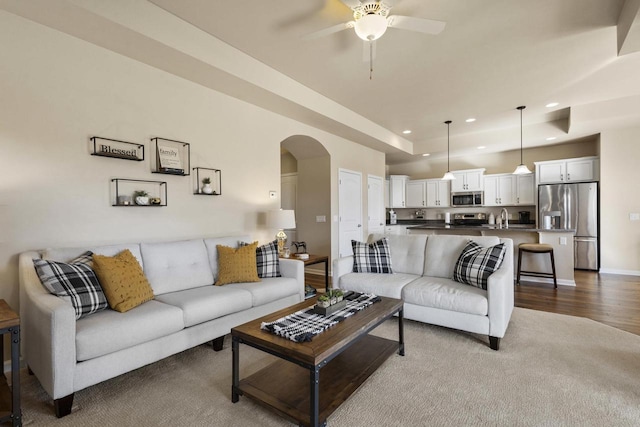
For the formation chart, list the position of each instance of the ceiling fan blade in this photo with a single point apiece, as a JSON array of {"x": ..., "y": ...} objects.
[
  {"x": 368, "y": 52},
  {"x": 328, "y": 31},
  {"x": 351, "y": 3},
  {"x": 428, "y": 26}
]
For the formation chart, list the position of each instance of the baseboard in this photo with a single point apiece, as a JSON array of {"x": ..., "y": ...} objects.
[
  {"x": 617, "y": 271},
  {"x": 563, "y": 282}
]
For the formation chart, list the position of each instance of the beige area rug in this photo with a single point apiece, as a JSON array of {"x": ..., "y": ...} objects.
[{"x": 551, "y": 370}]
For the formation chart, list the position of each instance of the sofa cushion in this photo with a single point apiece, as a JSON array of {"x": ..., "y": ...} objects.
[
  {"x": 267, "y": 259},
  {"x": 109, "y": 331},
  {"x": 385, "y": 285},
  {"x": 63, "y": 254},
  {"x": 476, "y": 264},
  {"x": 122, "y": 280},
  {"x": 206, "y": 303},
  {"x": 75, "y": 282},
  {"x": 407, "y": 252},
  {"x": 237, "y": 265},
  {"x": 446, "y": 294},
  {"x": 442, "y": 252},
  {"x": 270, "y": 289},
  {"x": 174, "y": 266},
  {"x": 212, "y": 250},
  {"x": 372, "y": 257}
]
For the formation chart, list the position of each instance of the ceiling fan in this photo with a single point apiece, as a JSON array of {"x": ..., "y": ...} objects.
[{"x": 371, "y": 20}]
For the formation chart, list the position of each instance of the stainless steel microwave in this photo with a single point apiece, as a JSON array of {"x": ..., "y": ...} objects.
[{"x": 467, "y": 199}]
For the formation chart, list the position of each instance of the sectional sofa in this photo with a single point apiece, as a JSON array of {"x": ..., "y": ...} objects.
[
  {"x": 68, "y": 355},
  {"x": 422, "y": 277}
]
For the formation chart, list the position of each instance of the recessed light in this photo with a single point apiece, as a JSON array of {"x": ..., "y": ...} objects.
[
  {"x": 406, "y": 132},
  {"x": 482, "y": 147},
  {"x": 426, "y": 154},
  {"x": 552, "y": 104},
  {"x": 551, "y": 138},
  {"x": 470, "y": 120}
]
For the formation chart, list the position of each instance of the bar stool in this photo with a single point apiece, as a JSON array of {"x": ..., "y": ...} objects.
[{"x": 536, "y": 248}]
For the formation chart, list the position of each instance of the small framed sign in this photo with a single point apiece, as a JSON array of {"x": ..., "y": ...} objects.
[{"x": 116, "y": 149}]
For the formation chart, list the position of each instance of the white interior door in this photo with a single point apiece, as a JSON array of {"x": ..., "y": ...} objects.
[
  {"x": 375, "y": 204},
  {"x": 350, "y": 209}
]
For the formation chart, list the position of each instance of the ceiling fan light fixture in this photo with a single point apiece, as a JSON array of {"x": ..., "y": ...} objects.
[{"x": 371, "y": 27}]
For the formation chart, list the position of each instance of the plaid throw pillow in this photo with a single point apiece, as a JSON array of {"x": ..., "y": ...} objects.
[
  {"x": 267, "y": 259},
  {"x": 372, "y": 258},
  {"x": 476, "y": 263},
  {"x": 74, "y": 281}
]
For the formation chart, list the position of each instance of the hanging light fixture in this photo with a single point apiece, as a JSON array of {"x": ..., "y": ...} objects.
[
  {"x": 521, "y": 169},
  {"x": 448, "y": 176}
]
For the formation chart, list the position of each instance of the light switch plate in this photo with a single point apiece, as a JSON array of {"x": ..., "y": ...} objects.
[
  {"x": 563, "y": 240},
  {"x": 321, "y": 218},
  {"x": 634, "y": 216}
]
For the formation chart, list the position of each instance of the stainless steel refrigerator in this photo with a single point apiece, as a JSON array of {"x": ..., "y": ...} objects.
[{"x": 578, "y": 208}]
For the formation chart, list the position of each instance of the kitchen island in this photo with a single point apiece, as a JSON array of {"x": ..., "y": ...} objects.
[{"x": 560, "y": 239}]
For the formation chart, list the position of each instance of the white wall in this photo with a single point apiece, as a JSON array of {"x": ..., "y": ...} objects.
[
  {"x": 58, "y": 91},
  {"x": 619, "y": 196}
]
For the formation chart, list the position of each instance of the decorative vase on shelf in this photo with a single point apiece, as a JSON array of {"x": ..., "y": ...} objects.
[{"x": 207, "y": 189}]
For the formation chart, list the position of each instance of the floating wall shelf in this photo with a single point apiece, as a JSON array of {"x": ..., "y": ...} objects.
[
  {"x": 123, "y": 193},
  {"x": 215, "y": 187},
  {"x": 171, "y": 157},
  {"x": 116, "y": 149}
]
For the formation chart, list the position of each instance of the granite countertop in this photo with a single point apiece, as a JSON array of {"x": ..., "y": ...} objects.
[{"x": 413, "y": 224}]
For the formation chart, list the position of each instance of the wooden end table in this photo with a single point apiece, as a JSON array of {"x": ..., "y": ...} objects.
[
  {"x": 316, "y": 259},
  {"x": 311, "y": 379},
  {"x": 10, "y": 396}
]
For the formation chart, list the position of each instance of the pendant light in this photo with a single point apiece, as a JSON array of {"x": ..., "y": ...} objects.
[
  {"x": 521, "y": 169},
  {"x": 448, "y": 176}
]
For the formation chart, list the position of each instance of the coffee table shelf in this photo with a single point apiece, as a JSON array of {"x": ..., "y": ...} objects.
[{"x": 284, "y": 386}]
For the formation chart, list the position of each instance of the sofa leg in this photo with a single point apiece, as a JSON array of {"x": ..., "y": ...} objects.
[
  {"x": 217, "y": 343},
  {"x": 494, "y": 343},
  {"x": 63, "y": 405}
]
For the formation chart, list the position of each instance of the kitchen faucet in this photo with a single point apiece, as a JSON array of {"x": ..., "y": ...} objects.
[{"x": 504, "y": 216}]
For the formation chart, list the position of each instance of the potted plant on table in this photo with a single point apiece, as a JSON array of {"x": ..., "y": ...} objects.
[{"x": 323, "y": 301}]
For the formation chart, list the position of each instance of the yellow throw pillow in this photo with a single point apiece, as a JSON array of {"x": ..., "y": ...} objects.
[
  {"x": 122, "y": 280},
  {"x": 237, "y": 265}
]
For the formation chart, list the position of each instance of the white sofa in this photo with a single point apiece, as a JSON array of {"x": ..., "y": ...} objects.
[
  {"x": 423, "y": 270},
  {"x": 68, "y": 355}
]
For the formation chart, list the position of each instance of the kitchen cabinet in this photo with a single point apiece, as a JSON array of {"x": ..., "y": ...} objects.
[
  {"x": 467, "y": 180},
  {"x": 568, "y": 170},
  {"x": 397, "y": 191},
  {"x": 437, "y": 193},
  {"x": 499, "y": 190},
  {"x": 525, "y": 190},
  {"x": 416, "y": 194},
  {"x": 386, "y": 194}
]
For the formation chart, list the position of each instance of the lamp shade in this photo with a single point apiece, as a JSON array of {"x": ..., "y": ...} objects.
[
  {"x": 522, "y": 170},
  {"x": 281, "y": 219},
  {"x": 448, "y": 176},
  {"x": 371, "y": 27}
]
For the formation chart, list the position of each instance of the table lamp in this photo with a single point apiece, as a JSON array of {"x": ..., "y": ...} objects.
[{"x": 281, "y": 219}]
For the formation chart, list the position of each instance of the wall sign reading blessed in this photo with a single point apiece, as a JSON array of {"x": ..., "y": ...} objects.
[{"x": 114, "y": 148}]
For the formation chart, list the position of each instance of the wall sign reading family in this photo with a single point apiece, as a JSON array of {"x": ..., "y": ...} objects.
[
  {"x": 172, "y": 157},
  {"x": 117, "y": 149}
]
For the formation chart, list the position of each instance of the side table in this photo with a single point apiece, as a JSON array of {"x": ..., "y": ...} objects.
[{"x": 10, "y": 396}]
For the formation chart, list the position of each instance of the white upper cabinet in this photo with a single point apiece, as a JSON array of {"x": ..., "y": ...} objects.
[
  {"x": 568, "y": 170},
  {"x": 386, "y": 194},
  {"x": 397, "y": 191},
  {"x": 438, "y": 193},
  {"x": 499, "y": 190},
  {"x": 416, "y": 194},
  {"x": 525, "y": 190},
  {"x": 467, "y": 180}
]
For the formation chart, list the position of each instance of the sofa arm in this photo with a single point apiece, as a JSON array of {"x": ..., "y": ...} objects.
[
  {"x": 500, "y": 295},
  {"x": 48, "y": 326},
  {"x": 295, "y": 269},
  {"x": 341, "y": 266}
]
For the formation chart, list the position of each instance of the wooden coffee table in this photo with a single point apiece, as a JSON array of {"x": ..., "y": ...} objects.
[{"x": 313, "y": 378}]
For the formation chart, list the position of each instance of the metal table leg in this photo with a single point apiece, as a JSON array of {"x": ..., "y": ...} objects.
[{"x": 235, "y": 349}]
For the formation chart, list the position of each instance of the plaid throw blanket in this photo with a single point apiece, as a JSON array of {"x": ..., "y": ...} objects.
[{"x": 303, "y": 325}]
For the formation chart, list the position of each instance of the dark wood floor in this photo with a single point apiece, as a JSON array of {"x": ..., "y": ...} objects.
[{"x": 608, "y": 298}]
